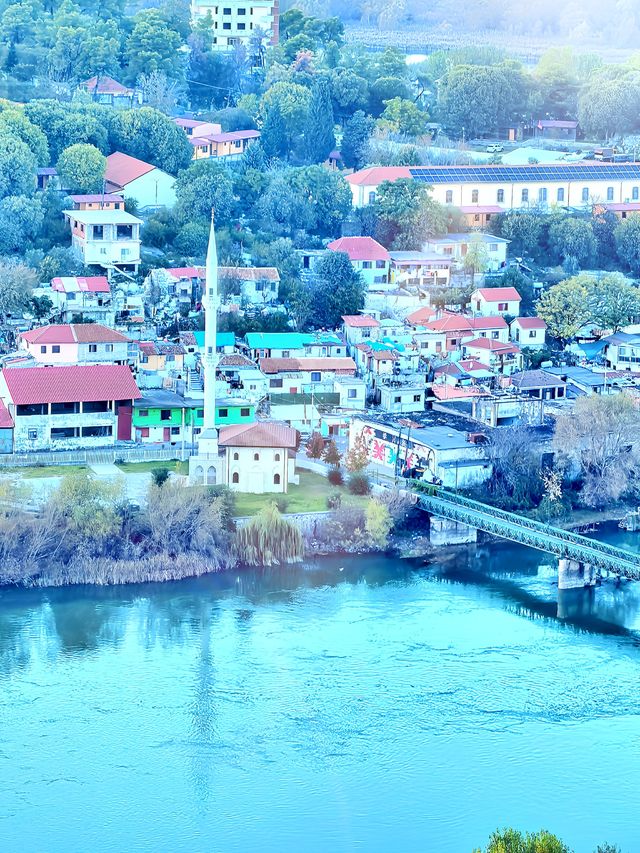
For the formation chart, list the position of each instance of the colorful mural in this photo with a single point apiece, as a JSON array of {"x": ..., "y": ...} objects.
[{"x": 385, "y": 451}]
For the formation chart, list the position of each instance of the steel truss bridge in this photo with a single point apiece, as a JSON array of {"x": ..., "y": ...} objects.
[{"x": 565, "y": 544}]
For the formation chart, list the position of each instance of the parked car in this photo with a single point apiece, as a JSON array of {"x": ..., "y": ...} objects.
[{"x": 496, "y": 148}]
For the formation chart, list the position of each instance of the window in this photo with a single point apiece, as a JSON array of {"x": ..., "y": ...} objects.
[
  {"x": 275, "y": 383},
  {"x": 277, "y": 457},
  {"x": 500, "y": 196},
  {"x": 397, "y": 399},
  {"x": 43, "y": 349},
  {"x": 242, "y": 11},
  {"x": 109, "y": 347},
  {"x": 316, "y": 376},
  {"x": 560, "y": 195},
  {"x": 609, "y": 193},
  {"x": 65, "y": 408},
  {"x": 93, "y": 348},
  {"x": 96, "y": 431},
  {"x": 352, "y": 393},
  {"x": 503, "y": 306},
  {"x": 366, "y": 265},
  {"x": 256, "y": 457},
  {"x": 495, "y": 335},
  {"x": 144, "y": 413},
  {"x": 276, "y": 479},
  {"x": 244, "y": 413},
  {"x": 98, "y": 232},
  {"x": 585, "y": 194},
  {"x": 380, "y": 265},
  {"x": 199, "y": 413},
  {"x": 525, "y": 196},
  {"x": 532, "y": 333},
  {"x": 223, "y": 413},
  {"x": 416, "y": 398},
  {"x": 175, "y": 430},
  {"x": 32, "y": 434},
  {"x": 62, "y": 433},
  {"x": 475, "y": 195},
  {"x": 55, "y": 348},
  {"x": 92, "y": 407},
  {"x": 226, "y": 11},
  {"x": 144, "y": 432},
  {"x": 241, "y": 26},
  {"x": 635, "y": 193},
  {"x": 165, "y": 414},
  {"x": 32, "y": 409},
  {"x": 493, "y": 247},
  {"x": 235, "y": 478},
  {"x": 236, "y": 456},
  {"x": 449, "y": 197},
  {"x": 372, "y": 197},
  {"x": 226, "y": 26},
  {"x": 542, "y": 195}
]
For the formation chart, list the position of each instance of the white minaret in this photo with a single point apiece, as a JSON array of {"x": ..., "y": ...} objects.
[{"x": 206, "y": 466}]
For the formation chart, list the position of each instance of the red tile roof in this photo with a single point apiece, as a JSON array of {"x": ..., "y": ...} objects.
[
  {"x": 292, "y": 365},
  {"x": 185, "y": 272},
  {"x": 498, "y": 294},
  {"x": 233, "y": 135},
  {"x": 122, "y": 169},
  {"x": 462, "y": 323},
  {"x": 421, "y": 316},
  {"x": 530, "y": 322},
  {"x": 82, "y": 284},
  {"x": 360, "y": 248},
  {"x": 375, "y": 175},
  {"x": 6, "y": 421},
  {"x": 452, "y": 392},
  {"x": 259, "y": 434},
  {"x": 360, "y": 321},
  {"x": 75, "y": 383},
  {"x": 96, "y": 198},
  {"x": 83, "y": 333},
  {"x": 105, "y": 85},
  {"x": 493, "y": 346},
  {"x": 384, "y": 355},
  {"x": 161, "y": 348}
]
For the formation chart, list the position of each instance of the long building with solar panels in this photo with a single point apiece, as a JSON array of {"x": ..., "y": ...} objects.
[{"x": 501, "y": 187}]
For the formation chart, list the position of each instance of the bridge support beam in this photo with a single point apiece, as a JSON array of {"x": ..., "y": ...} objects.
[
  {"x": 573, "y": 574},
  {"x": 444, "y": 531}
]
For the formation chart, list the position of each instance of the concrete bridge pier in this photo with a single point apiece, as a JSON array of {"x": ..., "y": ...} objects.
[
  {"x": 576, "y": 603},
  {"x": 444, "y": 531},
  {"x": 573, "y": 574}
]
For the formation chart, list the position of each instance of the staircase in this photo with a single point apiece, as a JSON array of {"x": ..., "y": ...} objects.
[{"x": 196, "y": 382}]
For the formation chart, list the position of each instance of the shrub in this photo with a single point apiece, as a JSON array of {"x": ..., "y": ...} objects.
[
  {"x": 359, "y": 484},
  {"x": 335, "y": 477},
  {"x": 160, "y": 476},
  {"x": 334, "y": 500},
  {"x": 332, "y": 455},
  {"x": 282, "y": 503},
  {"x": 268, "y": 539},
  {"x": 315, "y": 446}
]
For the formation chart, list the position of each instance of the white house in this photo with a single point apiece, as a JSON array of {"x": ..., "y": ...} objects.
[
  {"x": 367, "y": 257},
  {"x": 86, "y": 296},
  {"x": 254, "y": 285},
  {"x": 105, "y": 238},
  {"x": 360, "y": 328},
  {"x": 529, "y": 332},
  {"x": 419, "y": 270},
  {"x": 489, "y": 301},
  {"x": 456, "y": 246},
  {"x": 495, "y": 355},
  {"x": 402, "y": 400},
  {"x": 134, "y": 179},
  {"x": 259, "y": 457},
  {"x": 622, "y": 351},
  {"x": 301, "y": 375},
  {"x": 364, "y": 183}
]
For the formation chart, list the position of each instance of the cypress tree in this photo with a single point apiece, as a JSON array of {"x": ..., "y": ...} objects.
[
  {"x": 274, "y": 134},
  {"x": 319, "y": 139},
  {"x": 357, "y": 133}
]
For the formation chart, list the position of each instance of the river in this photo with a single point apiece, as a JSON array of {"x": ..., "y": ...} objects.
[{"x": 354, "y": 704}]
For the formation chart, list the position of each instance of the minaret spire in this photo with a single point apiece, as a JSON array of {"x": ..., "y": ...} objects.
[{"x": 210, "y": 303}]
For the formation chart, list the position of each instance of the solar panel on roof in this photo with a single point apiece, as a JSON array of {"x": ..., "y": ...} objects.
[{"x": 535, "y": 173}]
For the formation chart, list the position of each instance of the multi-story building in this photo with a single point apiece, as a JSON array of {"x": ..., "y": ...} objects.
[
  {"x": 135, "y": 180},
  {"x": 85, "y": 298},
  {"x": 66, "y": 407},
  {"x": 105, "y": 238},
  {"x": 229, "y": 145},
  {"x": 456, "y": 247},
  {"x": 237, "y": 22},
  {"x": 78, "y": 343},
  {"x": 367, "y": 257},
  {"x": 491, "y": 301},
  {"x": 419, "y": 270}
]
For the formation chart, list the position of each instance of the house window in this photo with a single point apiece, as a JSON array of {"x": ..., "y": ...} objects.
[
  {"x": 236, "y": 457},
  {"x": 560, "y": 195},
  {"x": 397, "y": 399},
  {"x": 500, "y": 196},
  {"x": 226, "y": 26},
  {"x": 585, "y": 194},
  {"x": 416, "y": 398},
  {"x": 493, "y": 247},
  {"x": 199, "y": 413},
  {"x": 223, "y": 413},
  {"x": 55, "y": 348},
  {"x": 449, "y": 197},
  {"x": 65, "y": 408},
  {"x": 144, "y": 432},
  {"x": 32, "y": 434},
  {"x": 635, "y": 193},
  {"x": 96, "y": 431},
  {"x": 315, "y": 376},
  {"x": 165, "y": 414},
  {"x": 256, "y": 457},
  {"x": 175, "y": 430},
  {"x": 503, "y": 306},
  {"x": 277, "y": 457},
  {"x": 98, "y": 232},
  {"x": 380, "y": 265},
  {"x": 241, "y": 27},
  {"x": 532, "y": 333},
  {"x": 352, "y": 393},
  {"x": 525, "y": 196},
  {"x": 542, "y": 195},
  {"x": 244, "y": 413},
  {"x": 109, "y": 347},
  {"x": 276, "y": 479},
  {"x": 372, "y": 197},
  {"x": 93, "y": 348},
  {"x": 475, "y": 195},
  {"x": 495, "y": 335},
  {"x": 43, "y": 349},
  {"x": 275, "y": 383},
  {"x": 92, "y": 407},
  {"x": 62, "y": 433},
  {"x": 144, "y": 413},
  {"x": 609, "y": 193},
  {"x": 366, "y": 265},
  {"x": 235, "y": 478}
]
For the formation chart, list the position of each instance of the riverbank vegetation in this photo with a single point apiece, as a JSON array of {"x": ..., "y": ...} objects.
[{"x": 513, "y": 841}]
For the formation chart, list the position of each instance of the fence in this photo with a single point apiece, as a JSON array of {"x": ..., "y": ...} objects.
[{"x": 107, "y": 455}]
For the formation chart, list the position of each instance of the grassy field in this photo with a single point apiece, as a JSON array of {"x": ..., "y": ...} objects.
[
  {"x": 310, "y": 496},
  {"x": 44, "y": 471},
  {"x": 147, "y": 467}
]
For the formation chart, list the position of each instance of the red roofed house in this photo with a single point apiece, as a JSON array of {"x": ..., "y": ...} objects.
[
  {"x": 259, "y": 457},
  {"x": 529, "y": 332},
  {"x": 367, "y": 257},
  {"x": 489, "y": 301},
  {"x": 300, "y": 375},
  {"x": 185, "y": 283},
  {"x": 134, "y": 179},
  {"x": 197, "y": 127},
  {"x": 359, "y": 328},
  {"x": 106, "y": 238},
  {"x": 84, "y": 343},
  {"x": 83, "y": 298},
  {"x": 62, "y": 408},
  {"x": 105, "y": 90},
  {"x": 364, "y": 183},
  {"x": 97, "y": 201},
  {"x": 252, "y": 285},
  {"x": 496, "y": 355},
  {"x": 447, "y": 334},
  {"x": 222, "y": 146}
]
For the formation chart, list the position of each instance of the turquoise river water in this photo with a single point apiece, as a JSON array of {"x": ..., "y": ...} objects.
[{"x": 363, "y": 704}]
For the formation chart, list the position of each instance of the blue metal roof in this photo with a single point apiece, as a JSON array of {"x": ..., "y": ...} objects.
[{"x": 521, "y": 174}]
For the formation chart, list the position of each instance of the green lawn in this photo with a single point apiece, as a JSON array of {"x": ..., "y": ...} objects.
[
  {"x": 147, "y": 467},
  {"x": 44, "y": 471},
  {"x": 310, "y": 496}
]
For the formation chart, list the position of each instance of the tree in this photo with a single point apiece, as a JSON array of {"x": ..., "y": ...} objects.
[
  {"x": 315, "y": 446},
  {"x": 627, "y": 237},
  {"x": 332, "y": 455},
  {"x": 407, "y": 215},
  {"x": 349, "y": 92},
  {"x": 192, "y": 239},
  {"x": 610, "y": 106},
  {"x": 573, "y": 238},
  {"x": 357, "y": 457},
  {"x": 385, "y": 89},
  {"x": 327, "y": 196},
  {"x": 17, "y": 167},
  {"x": 204, "y": 185},
  {"x": 613, "y": 302},
  {"x": 149, "y": 135},
  {"x": 319, "y": 139},
  {"x": 477, "y": 258},
  {"x": 17, "y": 23},
  {"x": 273, "y": 137},
  {"x": 268, "y": 540},
  {"x": 293, "y": 101},
  {"x": 513, "y": 841},
  {"x": 15, "y": 123},
  {"x": 41, "y": 307},
  {"x": 565, "y": 307},
  {"x": 81, "y": 168},
  {"x": 403, "y": 116},
  {"x": 522, "y": 229},
  {"x": 338, "y": 290},
  {"x": 153, "y": 46},
  {"x": 63, "y": 127},
  {"x": 599, "y": 439},
  {"x": 20, "y": 222},
  {"x": 16, "y": 285},
  {"x": 91, "y": 506},
  {"x": 378, "y": 523},
  {"x": 158, "y": 91},
  {"x": 356, "y": 135}
]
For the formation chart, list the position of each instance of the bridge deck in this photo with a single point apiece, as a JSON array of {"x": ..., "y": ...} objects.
[{"x": 527, "y": 531}]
